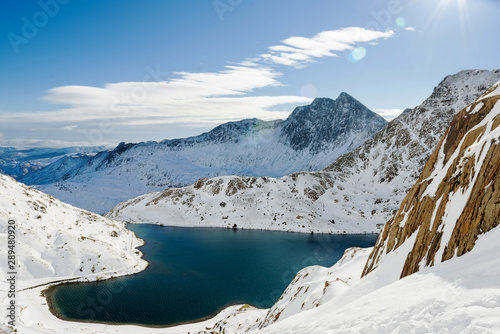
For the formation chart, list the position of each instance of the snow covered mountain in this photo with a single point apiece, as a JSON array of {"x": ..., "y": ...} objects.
[
  {"x": 309, "y": 139},
  {"x": 19, "y": 162},
  {"x": 57, "y": 242},
  {"x": 358, "y": 193}
]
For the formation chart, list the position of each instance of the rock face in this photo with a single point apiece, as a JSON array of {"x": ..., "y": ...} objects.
[
  {"x": 358, "y": 193},
  {"x": 309, "y": 139},
  {"x": 457, "y": 196}
]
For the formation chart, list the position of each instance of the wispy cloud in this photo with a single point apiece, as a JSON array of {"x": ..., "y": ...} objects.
[
  {"x": 410, "y": 29},
  {"x": 233, "y": 81},
  {"x": 298, "y": 51},
  {"x": 208, "y": 96}
]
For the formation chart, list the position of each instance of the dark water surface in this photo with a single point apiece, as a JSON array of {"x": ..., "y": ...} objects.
[{"x": 194, "y": 272}]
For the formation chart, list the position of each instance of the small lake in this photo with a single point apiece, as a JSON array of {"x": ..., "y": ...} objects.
[{"x": 195, "y": 272}]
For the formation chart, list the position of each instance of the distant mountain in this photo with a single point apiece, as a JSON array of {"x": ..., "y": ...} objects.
[
  {"x": 309, "y": 139},
  {"x": 358, "y": 193},
  {"x": 19, "y": 162}
]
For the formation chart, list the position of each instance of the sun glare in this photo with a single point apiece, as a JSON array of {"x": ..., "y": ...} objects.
[{"x": 446, "y": 5}]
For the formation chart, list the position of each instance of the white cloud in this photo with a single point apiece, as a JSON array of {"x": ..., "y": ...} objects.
[
  {"x": 233, "y": 81},
  {"x": 410, "y": 29},
  {"x": 69, "y": 127},
  {"x": 24, "y": 143},
  {"x": 297, "y": 51},
  {"x": 388, "y": 114}
]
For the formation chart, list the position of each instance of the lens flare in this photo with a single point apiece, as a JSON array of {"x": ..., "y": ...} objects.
[
  {"x": 401, "y": 22},
  {"x": 309, "y": 91},
  {"x": 357, "y": 54}
]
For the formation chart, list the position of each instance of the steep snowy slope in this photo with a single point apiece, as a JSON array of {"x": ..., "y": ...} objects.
[
  {"x": 357, "y": 193},
  {"x": 449, "y": 220},
  {"x": 310, "y": 138},
  {"x": 55, "y": 241}
]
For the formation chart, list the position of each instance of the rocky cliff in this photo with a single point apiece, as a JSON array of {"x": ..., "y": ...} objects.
[{"x": 457, "y": 196}]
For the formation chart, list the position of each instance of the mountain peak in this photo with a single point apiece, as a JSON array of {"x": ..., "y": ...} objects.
[
  {"x": 326, "y": 121},
  {"x": 345, "y": 97},
  {"x": 342, "y": 98}
]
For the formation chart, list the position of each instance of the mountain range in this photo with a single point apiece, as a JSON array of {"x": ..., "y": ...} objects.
[
  {"x": 19, "y": 162},
  {"x": 357, "y": 193},
  {"x": 309, "y": 139}
]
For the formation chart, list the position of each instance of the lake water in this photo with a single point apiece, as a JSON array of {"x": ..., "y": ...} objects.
[{"x": 195, "y": 272}]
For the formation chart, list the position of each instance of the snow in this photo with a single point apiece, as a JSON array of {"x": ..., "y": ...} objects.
[
  {"x": 461, "y": 295},
  {"x": 19, "y": 162},
  {"x": 495, "y": 91},
  {"x": 478, "y": 107},
  {"x": 57, "y": 242}
]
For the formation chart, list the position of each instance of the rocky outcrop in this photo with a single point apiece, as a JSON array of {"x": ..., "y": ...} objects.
[{"x": 457, "y": 196}]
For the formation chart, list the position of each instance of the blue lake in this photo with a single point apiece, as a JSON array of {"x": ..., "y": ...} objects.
[{"x": 195, "y": 272}]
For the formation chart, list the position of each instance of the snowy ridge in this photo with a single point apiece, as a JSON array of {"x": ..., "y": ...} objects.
[
  {"x": 358, "y": 193},
  {"x": 309, "y": 139}
]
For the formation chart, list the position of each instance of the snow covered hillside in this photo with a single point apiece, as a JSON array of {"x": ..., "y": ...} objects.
[
  {"x": 54, "y": 242},
  {"x": 358, "y": 193},
  {"x": 309, "y": 139},
  {"x": 19, "y": 162}
]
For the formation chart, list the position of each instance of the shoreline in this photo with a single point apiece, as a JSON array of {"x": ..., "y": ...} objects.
[
  {"x": 249, "y": 229},
  {"x": 53, "y": 310}
]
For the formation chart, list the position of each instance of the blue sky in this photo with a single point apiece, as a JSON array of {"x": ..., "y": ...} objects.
[{"x": 77, "y": 72}]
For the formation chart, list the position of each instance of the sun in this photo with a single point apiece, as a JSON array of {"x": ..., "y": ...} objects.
[{"x": 446, "y": 5}]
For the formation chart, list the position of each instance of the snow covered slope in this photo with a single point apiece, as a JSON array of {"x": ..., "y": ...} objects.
[
  {"x": 55, "y": 241},
  {"x": 358, "y": 193},
  {"x": 309, "y": 139}
]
